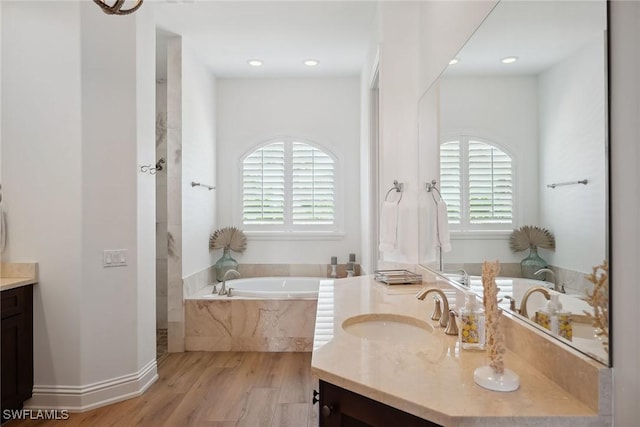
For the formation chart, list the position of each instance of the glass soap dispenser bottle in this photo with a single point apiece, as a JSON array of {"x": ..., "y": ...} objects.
[
  {"x": 472, "y": 331},
  {"x": 553, "y": 318}
]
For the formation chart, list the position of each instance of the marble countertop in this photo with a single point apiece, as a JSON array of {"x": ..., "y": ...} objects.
[
  {"x": 433, "y": 381},
  {"x": 13, "y": 275}
]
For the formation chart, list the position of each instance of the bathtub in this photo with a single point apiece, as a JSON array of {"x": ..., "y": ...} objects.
[
  {"x": 263, "y": 314},
  {"x": 267, "y": 288}
]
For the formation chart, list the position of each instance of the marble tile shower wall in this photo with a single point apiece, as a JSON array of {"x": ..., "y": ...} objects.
[
  {"x": 161, "y": 224},
  {"x": 175, "y": 292}
]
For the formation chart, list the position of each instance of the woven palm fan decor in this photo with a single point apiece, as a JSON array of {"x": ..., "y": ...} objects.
[
  {"x": 227, "y": 239},
  {"x": 532, "y": 237}
]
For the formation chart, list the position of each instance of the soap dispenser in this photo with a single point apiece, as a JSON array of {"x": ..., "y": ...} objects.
[
  {"x": 553, "y": 318},
  {"x": 472, "y": 332}
]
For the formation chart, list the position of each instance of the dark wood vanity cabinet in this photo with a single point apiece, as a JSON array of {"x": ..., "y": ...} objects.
[
  {"x": 17, "y": 346},
  {"x": 344, "y": 408}
]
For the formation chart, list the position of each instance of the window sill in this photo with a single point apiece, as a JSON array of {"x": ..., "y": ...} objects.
[
  {"x": 295, "y": 235},
  {"x": 481, "y": 235}
]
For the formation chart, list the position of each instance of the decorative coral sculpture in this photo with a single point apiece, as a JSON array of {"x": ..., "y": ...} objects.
[
  {"x": 530, "y": 236},
  {"x": 599, "y": 300},
  {"x": 495, "y": 337},
  {"x": 228, "y": 238},
  {"x": 494, "y": 376}
]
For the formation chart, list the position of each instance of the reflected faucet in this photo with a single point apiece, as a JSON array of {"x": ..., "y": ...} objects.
[
  {"x": 525, "y": 297},
  {"x": 553, "y": 277},
  {"x": 230, "y": 272},
  {"x": 444, "y": 320},
  {"x": 464, "y": 280}
]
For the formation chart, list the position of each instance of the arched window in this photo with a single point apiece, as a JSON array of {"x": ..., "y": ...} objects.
[
  {"x": 476, "y": 181},
  {"x": 288, "y": 184}
]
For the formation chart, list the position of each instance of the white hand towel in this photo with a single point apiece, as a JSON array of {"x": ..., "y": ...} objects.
[
  {"x": 389, "y": 226},
  {"x": 443, "y": 227}
]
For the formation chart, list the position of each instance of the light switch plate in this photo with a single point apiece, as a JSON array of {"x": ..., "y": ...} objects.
[{"x": 114, "y": 258}]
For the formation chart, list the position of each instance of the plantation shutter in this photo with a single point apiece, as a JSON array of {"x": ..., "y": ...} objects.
[
  {"x": 451, "y": 180},
  {"x": 263, "y": 183},
  {"x": 312, "y": 176},
  {"x": 490, "y": 185}
]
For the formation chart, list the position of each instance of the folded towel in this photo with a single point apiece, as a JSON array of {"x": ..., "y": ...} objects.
[
  {"x": 443, "y": 227},
  {"x": 389, "y": 226}
]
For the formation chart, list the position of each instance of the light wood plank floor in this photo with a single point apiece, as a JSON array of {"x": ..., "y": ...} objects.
[{"x": 221, "y": 389}]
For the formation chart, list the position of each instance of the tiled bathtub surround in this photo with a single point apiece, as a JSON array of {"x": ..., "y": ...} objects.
[
  {"x": 197, "y": 281},
  {"x": 236, "y": 324},
  {"x": 303, "y": 270}
]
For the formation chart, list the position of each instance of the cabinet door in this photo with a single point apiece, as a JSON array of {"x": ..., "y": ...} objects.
[
  {"x": 17, "y": 346},
  {"x": 344, "y": 408}
]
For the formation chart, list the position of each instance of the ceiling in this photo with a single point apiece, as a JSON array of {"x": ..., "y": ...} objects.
[
  {"x": 539, "y": 33},
  {"x": 225, "y": 34}
]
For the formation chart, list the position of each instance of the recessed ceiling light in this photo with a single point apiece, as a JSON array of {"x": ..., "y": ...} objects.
[
  {"x": 454, "y": 61},
  {"x": 311, "y": 62},
  {"x": 255, "y": 62},
  {"x": 509, "y": 59}
]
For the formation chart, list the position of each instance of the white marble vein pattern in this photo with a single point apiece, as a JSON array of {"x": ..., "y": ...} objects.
[{"x": 250, "y": 325}]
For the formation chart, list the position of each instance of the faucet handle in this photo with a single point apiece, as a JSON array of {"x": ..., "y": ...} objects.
[
  {"x": 437, "y": 310},
  {"x": 452, "y": 327}
]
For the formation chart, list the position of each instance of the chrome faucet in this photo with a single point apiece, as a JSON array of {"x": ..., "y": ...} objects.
[
  {"x": 464, "y": 280},
  {"x": 553, "y": 277},
  {"x": 444, "y": 319},
  {"x": 525, "y": 297},
  {"x": 223, "y": 288}
]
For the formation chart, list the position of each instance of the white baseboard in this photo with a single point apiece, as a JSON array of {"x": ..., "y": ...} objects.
[{"x": 92, "y": 396}]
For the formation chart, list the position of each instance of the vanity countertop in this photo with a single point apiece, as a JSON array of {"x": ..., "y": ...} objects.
[
  {"x": 14, "y": 274},
  {"x": 434, "y": 381}
]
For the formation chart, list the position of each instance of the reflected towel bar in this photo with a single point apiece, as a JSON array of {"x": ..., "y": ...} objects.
[
  {"x": 559, "y": 184},
  {"x": 197, "y": 184}
]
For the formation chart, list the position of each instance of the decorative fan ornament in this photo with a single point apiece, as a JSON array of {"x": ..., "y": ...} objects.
[
  {"x": 530, "y": 236},
  {"x": 228, "y": 238}
]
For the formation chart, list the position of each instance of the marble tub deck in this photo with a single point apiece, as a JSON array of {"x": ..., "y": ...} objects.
[{"x": 246, "y": 324}]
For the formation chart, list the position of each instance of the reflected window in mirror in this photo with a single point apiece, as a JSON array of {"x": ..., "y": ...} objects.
[{"x": 476, "y": 178}]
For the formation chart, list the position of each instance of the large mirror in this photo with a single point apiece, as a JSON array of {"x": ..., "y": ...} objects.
[{"x": 521, "y": 140}]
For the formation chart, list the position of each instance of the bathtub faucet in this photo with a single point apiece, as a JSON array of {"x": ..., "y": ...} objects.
[
  {"x": 548, "y": 271},
  {"x": 230, "y": 272}
]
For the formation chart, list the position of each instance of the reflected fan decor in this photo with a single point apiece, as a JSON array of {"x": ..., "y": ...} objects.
[
  {"x": 532, "y": 237},
  {"x": 227, "y": 239},
  {"x": 117, "y": 7}
]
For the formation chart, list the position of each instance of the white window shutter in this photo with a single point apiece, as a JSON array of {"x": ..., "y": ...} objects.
[
  {"x": 451, "y": 179},
  {"x": 312, "y": 195},
  {"x": 476, "y": 181},
  {"x": 263, "y": 182},
  {"x": 288, "y": 183}
]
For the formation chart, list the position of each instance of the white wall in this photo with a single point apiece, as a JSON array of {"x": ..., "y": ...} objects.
[
  {"x": 41, "y": 173},
  {"x": 503, "y": 110},
  {"x": 572, "y": 132},
  {"x": 73, "y": 191},
  {"x": 324, "y": 110},
  {"x": 198, "y": 162},
  {"x": 625, "y": 207},
  {"x": 399, "y": 93}
]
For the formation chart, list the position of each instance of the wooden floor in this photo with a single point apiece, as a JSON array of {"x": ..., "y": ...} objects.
[{"x": 214, "y": 390}]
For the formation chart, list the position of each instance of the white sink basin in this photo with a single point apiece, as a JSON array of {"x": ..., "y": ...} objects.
[{"x": 390, "y": 329}]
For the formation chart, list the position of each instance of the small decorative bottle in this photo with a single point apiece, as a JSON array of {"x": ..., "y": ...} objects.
[
  {"x": 472, "y": 330},
  {"x": 334, "y": 267}
]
